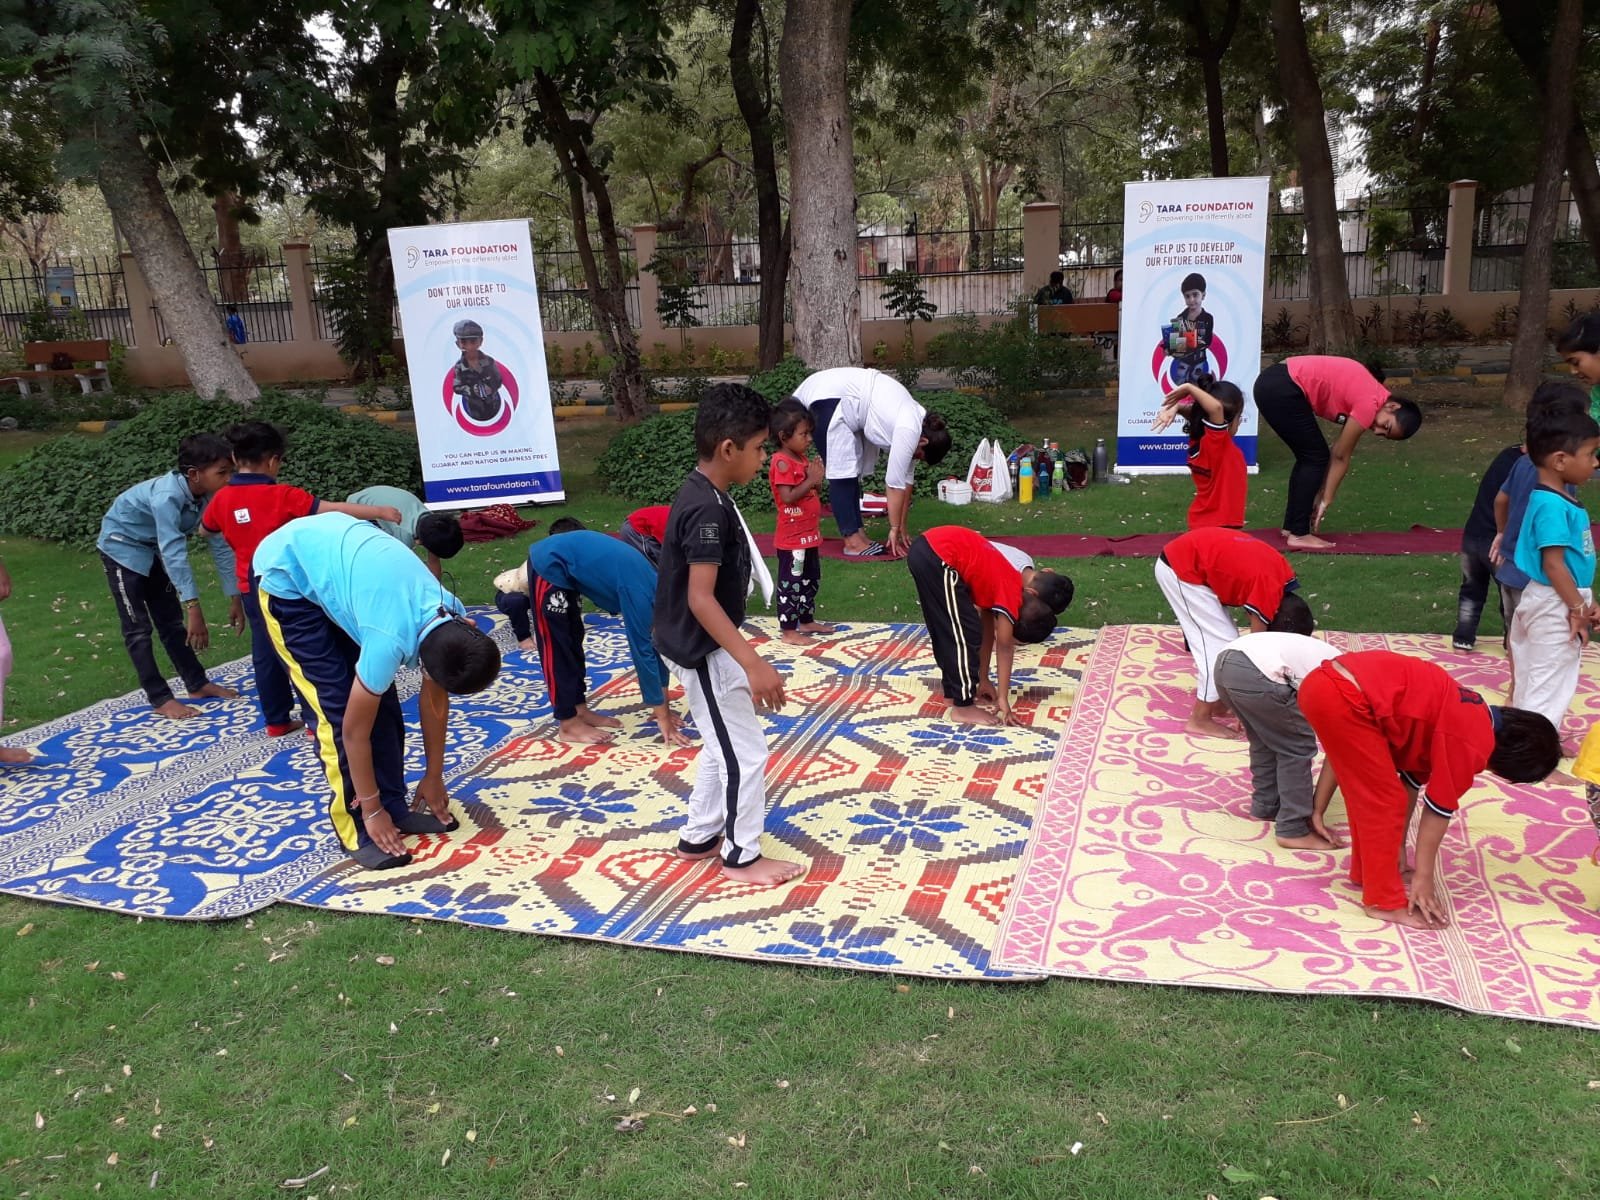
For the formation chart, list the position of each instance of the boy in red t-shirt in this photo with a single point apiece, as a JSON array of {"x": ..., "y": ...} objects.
[
  {"x": 252, "y": 505},
  {"x": 1203, "y": 573},
  {"x": 1397, "y": 730},
  {"x": 977, "y": 606},
  {"x": 644, "y": 528},
  {"x": 1215, "y": 461},
  {"x": 795, "y": 478}
]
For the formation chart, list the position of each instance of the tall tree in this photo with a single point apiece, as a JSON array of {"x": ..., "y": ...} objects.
[
  {"x": 814, "y": 63},
  {"x": 120, "y": 78},
  {"x": 579, "y": 59},
  {"x": 751, "y": 74},
  {"x": 1528, "y": 347},
  {"x": 1333, "y": 322},
  {"x": 1525, "y": 34},
  {"x": 376, "y": 124}
]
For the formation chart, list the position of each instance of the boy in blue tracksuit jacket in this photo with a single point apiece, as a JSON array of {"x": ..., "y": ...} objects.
[{"x": 570, "y": 565}]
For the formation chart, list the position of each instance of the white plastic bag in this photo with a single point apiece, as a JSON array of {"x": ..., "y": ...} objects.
[
  {"x": 980, "y": 472},
  {"x": 999, "y": 472}
]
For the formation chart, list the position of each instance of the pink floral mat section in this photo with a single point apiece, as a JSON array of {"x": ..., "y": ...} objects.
[{"x": 1145, "y": 865}]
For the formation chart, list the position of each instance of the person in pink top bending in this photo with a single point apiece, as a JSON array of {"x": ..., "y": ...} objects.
[{"x": 1291, "y": 395}]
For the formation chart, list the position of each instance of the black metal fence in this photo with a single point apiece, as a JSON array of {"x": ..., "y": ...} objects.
[
  {"x": 708, "y": 283},
  {"x": 962, "y": 270},
  {"x": 1091, "y": 256},
  {"x": 564, "y": 293},
  {"x": 257, "y": 286},
  {"x": 1388, "y": 249},
  {"x": 102, "y": 297},
  {"x": 1499, "y": 237}
]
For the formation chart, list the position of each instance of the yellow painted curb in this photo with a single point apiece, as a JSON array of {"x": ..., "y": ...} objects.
[
  {"x": 577, "y": 412},
  {"x": 92, "y": 426},
  {"x": 1463, "y": 372},
  {"x": 676, "y": 406},
  {"x": 1490, "y": 380}
]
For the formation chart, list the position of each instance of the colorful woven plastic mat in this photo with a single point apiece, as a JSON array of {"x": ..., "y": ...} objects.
[
  {"x": 911, "y": 827},
  {"x": 1147, "y": 867}
]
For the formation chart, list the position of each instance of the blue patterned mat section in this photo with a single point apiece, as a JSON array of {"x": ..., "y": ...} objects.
[{"x": 209, "y": 818}]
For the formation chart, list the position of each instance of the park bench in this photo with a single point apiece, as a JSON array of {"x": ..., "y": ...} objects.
[
  {"x": 1098, "y": 322},
  {"x": 42, "y": 356}
]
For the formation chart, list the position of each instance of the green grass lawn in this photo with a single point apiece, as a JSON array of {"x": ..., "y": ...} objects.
[{"x": 222, "y": 1060}]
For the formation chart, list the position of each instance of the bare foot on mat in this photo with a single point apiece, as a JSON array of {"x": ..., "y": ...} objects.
[
  {"x": 795, "y": 638},
  {"x": 175, "y": 710},
  {"x": 599, "y": 720},
  {"x": 1309, "y": 541},
  {"x": 578, "y": 732},
  {"x": 214, "y": 691},
  {"x": 971, "y": 714},
  {"x": 765, "y": 872},
  {"x": 1401, "y": 916},
  {"x": 1205, "y": 727},
  {"x": 1307, "y": 841},
  {"x": 14, "y": 755}
]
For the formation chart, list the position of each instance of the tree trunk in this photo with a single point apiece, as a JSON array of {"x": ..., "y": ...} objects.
[
  {"x": 1333, "y": 324},
  {"x": 233, "y": 265},
  {"x": 608, "y": 289},
  {"x": 755, "y": 106},
  {"x": 1528, "y": 347},
  {"x": 1209, "y": 50},
  {"x": 816, "y": 99},
  {"x": 1526, "y": 41},
  {"x": 139, "y": 205}
]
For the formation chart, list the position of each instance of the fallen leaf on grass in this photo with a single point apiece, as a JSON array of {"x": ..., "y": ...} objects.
[
  {"x": 156, "y": 1133},
  {"x": 38, "y": 1120},
  {"x": 472, "y": 1135},
  {"x": 690, "y": 1111},
  {"x": 445, "y": 1161},
  {"x": 632, "y": 1123},
  {"x": 349, "y": 1121},
  {"x": 902, "y": 988},
  {"x": 113, "y": 1159},
  {"x": 1469, "y": 1054},
  {"x": 737, "y": 1142},
  {"x": 126, "y": 1069},
  {"x": 94, "y": 966},
  {"x": 711, "y": 1108},
  {"x": 560, "y": 1053},
  {"x": 1594, "y": 1085},
  {"x": 633, "y": 1096},
  {"x": 1513, "y": 1046},
  {"x": 25, "y": 930},
  {"x": 1343, "y": 1103},
  {"x": 384, "y": 960},
  {"x": 433, "y": 1109},
  {"x": 119, "y": 976},
  {"x": 782, "y": 1083},
  {"x": 1240, "y": 1175}
]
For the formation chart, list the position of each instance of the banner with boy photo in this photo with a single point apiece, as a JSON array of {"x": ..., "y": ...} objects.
[
  {"x": 469, "y": 310},
  {"x": 1194, "y": 271}
]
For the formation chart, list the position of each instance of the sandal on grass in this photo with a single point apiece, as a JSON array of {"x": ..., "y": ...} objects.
[{"x": 874, "y": 550}]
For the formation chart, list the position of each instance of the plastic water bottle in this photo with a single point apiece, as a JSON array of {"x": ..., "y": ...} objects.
[
  {"x": 1102, "y": 462},
  {"x": 1060, "y": 473},
  {"x": 1025, "y": 482},
  {"x": 1014, "y": 473}
]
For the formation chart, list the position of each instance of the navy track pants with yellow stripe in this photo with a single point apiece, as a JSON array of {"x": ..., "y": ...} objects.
[{"x": 321, "y": 661}]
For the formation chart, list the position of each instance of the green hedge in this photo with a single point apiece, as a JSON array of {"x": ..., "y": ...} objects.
[
  {"x": 62, "y": 489},
  {"x": 648, "y": 462}
]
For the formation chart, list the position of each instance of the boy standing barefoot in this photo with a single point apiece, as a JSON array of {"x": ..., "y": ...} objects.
[
  {"x": 1381, "y": 715},
  {"x": 707, "y": 559}
]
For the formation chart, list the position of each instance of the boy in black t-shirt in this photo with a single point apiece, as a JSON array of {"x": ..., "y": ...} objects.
[
  {"x": 707, "y": 563},
  {"x": 1477, "y": 535}
]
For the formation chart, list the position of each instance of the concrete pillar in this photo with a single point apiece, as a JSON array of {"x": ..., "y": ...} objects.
[
  {"x": 1458, "y": 238},
  {"x": 302, "y": 314},
  {"x": 644, "y": 249},
  {"x": 140, "y": 304},
  {"x": 1041, "y": 244}
]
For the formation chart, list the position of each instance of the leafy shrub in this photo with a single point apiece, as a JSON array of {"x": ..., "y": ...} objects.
[
  {"x": 1011, "y": 359},
  {"x": 648, "y": 462},
  {"x": 62, "y": 489},
  {"x": 779, "y": 383}
]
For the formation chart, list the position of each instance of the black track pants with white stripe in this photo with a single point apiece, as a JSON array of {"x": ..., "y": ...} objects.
[{"x": 955, "y": 627}]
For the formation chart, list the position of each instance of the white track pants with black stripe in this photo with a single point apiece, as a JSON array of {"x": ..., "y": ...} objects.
[
  {"x": 1205, "y": 623},
  {"x": 729, "y": 800}
]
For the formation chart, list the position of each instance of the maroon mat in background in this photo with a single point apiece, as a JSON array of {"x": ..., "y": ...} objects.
[{"x": 1419, "y": 539}]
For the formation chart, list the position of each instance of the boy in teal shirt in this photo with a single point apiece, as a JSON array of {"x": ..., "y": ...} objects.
[{"x": 1555, "y": 549}]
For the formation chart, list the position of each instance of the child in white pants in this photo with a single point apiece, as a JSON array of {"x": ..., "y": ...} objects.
[{"x": 1555, "y": 549}]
